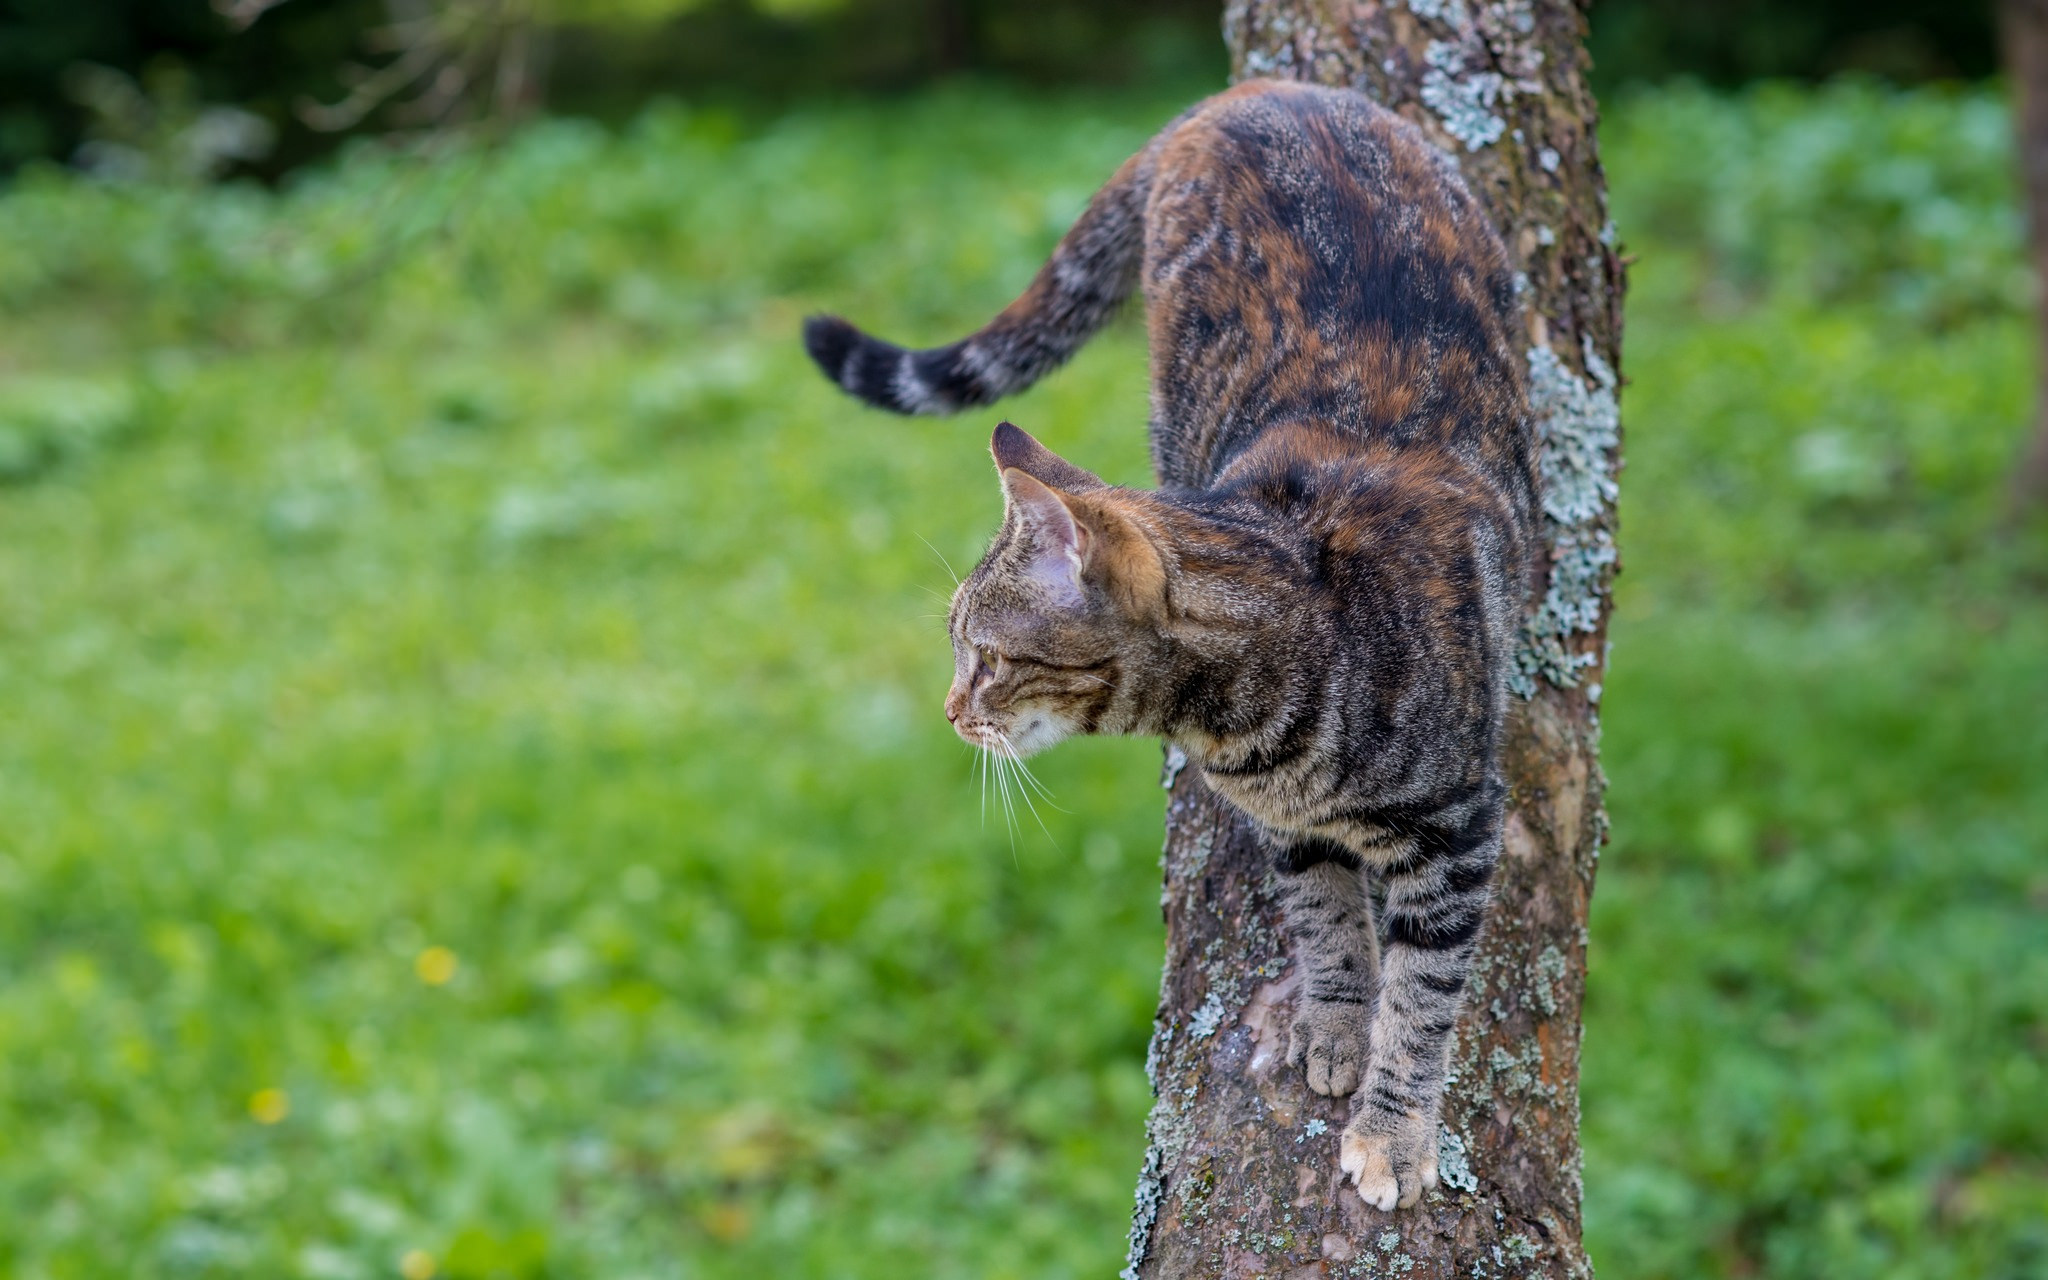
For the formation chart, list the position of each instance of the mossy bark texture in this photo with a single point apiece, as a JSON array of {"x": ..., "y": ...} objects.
[{"x": 1241, "y": 1176}]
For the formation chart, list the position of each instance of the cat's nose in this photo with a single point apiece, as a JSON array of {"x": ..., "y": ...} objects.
[{"x": 953, "y": 707}]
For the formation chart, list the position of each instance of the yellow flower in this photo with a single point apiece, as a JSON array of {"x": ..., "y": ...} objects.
[
  {"x": 436, "y": 965},
  {"x": 269, "y": 1106},
  {"x": 417, "y": 1264}
]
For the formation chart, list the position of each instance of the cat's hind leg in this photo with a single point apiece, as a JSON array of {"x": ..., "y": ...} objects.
[{"x": 1329, "y": 913}]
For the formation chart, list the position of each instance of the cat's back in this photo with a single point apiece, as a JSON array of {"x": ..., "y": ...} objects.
[{"x": 1311, "y": 259}]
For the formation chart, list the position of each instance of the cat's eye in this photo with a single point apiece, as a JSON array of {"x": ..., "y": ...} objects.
[{"x": 985, "y": 661}]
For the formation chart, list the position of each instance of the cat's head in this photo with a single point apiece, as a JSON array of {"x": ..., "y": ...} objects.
[{"x": 1066, "y": 607}]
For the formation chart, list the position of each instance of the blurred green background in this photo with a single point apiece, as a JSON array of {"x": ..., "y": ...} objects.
[{"x": 472, "y": 794}]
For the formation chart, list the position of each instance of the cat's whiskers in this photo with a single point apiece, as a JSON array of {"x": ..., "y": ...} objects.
[
  {"x": 981, "y": 785},
  {"x": 1024, "y": 775},
  {"x": 1024, "y": 771},
  {"x": 991, "y": 763},
  {"x": 942, "y": 560},
  {"x": 998, "y": 762}
]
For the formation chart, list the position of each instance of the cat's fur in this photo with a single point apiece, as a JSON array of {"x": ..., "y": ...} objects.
[{"x": 1320, "y": 603}]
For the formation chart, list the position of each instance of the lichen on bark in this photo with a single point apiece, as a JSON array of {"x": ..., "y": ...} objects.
[{"x": 1240, "y": 1175}]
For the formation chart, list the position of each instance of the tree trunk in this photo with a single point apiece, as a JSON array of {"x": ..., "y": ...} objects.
[
  {"x": 1241, "y": 1177},
  {"x": 2024, "y": 28}
]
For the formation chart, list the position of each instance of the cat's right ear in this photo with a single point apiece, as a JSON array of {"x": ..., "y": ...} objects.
[
  {"x": 1058, "y": 542},
  {"x": 1014, "y": 447}
]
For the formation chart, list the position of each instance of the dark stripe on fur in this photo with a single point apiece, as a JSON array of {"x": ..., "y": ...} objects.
[
  {"x": 1295, "y": 741},
  {"x": 1445, "y": 986},
  {"x": 1465, "y": 876},
  {"x": 1435, "y": 933},
  {"x": 1303, "y": 854}
]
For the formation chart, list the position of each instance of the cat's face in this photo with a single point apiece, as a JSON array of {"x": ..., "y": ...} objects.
[{"x": 1060, "y": 613}]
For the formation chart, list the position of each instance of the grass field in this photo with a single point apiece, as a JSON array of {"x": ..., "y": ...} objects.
[{"x": 473, "y": 797}]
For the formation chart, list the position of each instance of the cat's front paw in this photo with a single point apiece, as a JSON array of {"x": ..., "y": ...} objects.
[
  {"x": 1393, "y": 1160},
  {"x": 1327, "y": 1043}
]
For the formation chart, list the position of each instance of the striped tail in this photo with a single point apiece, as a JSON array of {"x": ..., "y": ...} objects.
[{"x": 1094, "y": 269}]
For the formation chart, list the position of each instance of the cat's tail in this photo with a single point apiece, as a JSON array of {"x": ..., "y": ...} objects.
[{"x": 1094, "y": 268}]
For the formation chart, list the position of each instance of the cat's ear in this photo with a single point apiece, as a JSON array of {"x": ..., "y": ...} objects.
[
  {"x": 1058, "y": 542},
  {"x": 1013, "y": 447},
  {"x": 1074, "y": 539}
]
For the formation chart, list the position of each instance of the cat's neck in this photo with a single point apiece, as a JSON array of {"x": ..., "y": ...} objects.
[{"x": 1241, "y": 629}]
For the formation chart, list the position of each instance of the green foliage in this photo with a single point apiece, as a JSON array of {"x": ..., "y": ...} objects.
[
  {"x": 1818, "y": 1001},
  {"x": 455, "y": 551},
  {"x": 611, "y": 56},
  {"x": 185, "y": 52},
  {"x": 1850, "y": 193}
]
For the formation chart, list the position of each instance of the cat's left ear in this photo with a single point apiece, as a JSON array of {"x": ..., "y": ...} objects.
[
  {"x": 1058, "y": 541},
  {"x": 1014, "y": 447}
]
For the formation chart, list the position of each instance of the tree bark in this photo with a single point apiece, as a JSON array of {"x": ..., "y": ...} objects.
[
  {"x": 1241, "y": 1177},
  {"x": 2023, "y": 28}
]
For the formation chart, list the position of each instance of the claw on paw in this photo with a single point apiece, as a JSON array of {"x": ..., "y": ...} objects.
[
  {"x": 1328, "y": 1044},
  {"x": 1390, "y": 1169},
  {"x": 1368, "y": 1159}
]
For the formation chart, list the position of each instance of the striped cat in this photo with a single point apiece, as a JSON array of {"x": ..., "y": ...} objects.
[{"x": 1319, "y": 605}]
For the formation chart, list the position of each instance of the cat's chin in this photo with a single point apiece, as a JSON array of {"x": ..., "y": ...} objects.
[{"x": 1035, "y": 734}]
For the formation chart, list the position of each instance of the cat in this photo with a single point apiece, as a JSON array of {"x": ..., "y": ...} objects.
[{"x": 1320, "y": 603}]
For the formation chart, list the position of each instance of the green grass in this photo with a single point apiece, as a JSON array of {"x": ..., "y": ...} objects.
[{"x": 461, "y": 554}]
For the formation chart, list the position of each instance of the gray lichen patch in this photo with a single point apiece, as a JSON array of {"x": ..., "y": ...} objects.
[
  {"x": 1451, "y": 12},
  {"x": 1268, "y": 46},
  {"x": 1507, "y": 27},
  {"x": 1453, "y": 1166},
  {"x": 1176, "y": 760},
  {"x": 1151, "y": 1191},
  {"x": 1468, "y": 80},
  {"x": 1521, "y": 1074},
  {"x": 1260, "y": 955},
  {"x": 1161, "y": 1038},
  {"x": 1549, "y": 980},
  {"x": 1196, "y": 856},
  {"x": 1578, "y": 430},
  {"x": 1462, "y": 95}
]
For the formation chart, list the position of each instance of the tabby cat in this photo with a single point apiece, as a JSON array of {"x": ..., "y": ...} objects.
[{"x": 1319, "y": 604}]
